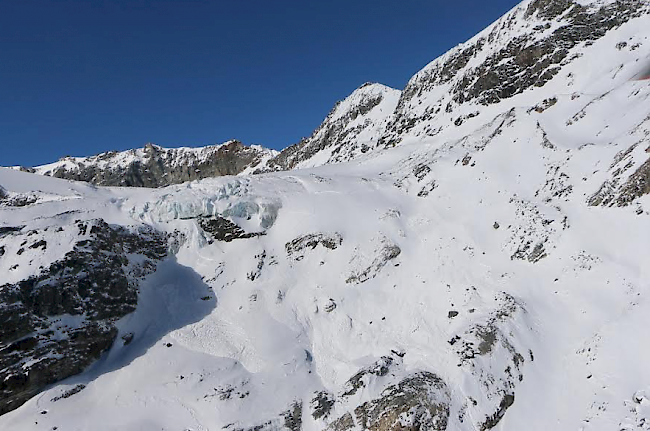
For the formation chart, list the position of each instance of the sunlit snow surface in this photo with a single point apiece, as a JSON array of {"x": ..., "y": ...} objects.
[{"x": 460, "y": 206}]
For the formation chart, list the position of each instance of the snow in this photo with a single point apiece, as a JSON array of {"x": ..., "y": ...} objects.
[
  {"x": 264, "y": 337},
  {"x": 114, "y": 159},
  {"x": 361, "y": 131}
]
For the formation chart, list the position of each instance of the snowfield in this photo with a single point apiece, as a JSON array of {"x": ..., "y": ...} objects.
[{"x": 490, "y": 274}]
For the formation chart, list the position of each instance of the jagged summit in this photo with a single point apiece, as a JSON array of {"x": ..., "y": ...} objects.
[
  {"x": 362, "y": 100},
  {"x": 353, "y": 127},
  {"x": 155, "y": 166},
  {"x": 531, "y": 47}
]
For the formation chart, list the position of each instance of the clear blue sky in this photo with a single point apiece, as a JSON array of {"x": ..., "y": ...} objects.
[{"x": 86, "y": 76}]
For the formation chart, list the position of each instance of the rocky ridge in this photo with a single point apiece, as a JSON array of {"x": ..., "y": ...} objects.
[
  {"x": 154, "y": 166},
  {"x": 349, "y": 130}
]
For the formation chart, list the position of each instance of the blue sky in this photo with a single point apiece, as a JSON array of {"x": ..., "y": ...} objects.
[{"x": 86, "y": 76}]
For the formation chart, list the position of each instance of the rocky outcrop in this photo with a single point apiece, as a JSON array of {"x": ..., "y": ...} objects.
[
  {"x": 9, "y": 199},
  {"x": 352, "y": 128},
  {"x": 297, "y": 248},
  {"x": 480, "y": 348},
  {"x": 524, "y": 49},
  {"x": 288, "y": 420},
  {"x": 624, "y": 187},
  {"x": 419, "y": 401},
  {"x": 222, "y": 229},
  {"x": 154, "y": 166},
  {"x": 527, "y": 61},
  {"x": 384, "y": 254},
  {"x": 55, "y": 324}
]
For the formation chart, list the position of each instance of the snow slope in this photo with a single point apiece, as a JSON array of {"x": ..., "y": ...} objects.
[
  {"x": 352, "y": 128},
  {"x": 487, "y": 273}
]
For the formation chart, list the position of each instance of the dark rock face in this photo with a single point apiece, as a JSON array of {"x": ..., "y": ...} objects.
[
  {"x": 520, "y": 65},
  {"x": 7, "y": 230},
  {"x": 296, "y": 249},
  {"x": 293, "y": 417},
  {"x": 8, "y": 199},
  {"x": 161, "y": 167},
  {"x": 636, "y": 186},
  {"x": 321, "y": 405},
  {"x": 418, "y": 402},
  {"x": 506, "y": 402},
  {"x": 222, "y": 229},
  {"x": 630, "y": 172},
  {"x": 526, "y": 60},
  {"x": 612, "y": 193},
  {"x": 336, "y": 130},
  {"x": 378, "y": 369},
  {"x": 57, "y": 323}
]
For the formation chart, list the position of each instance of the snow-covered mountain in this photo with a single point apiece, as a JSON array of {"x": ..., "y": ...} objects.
[
  {"x": 468, "y": 254},
  {"x": 154, "y": 166},
  {"x": 351, "y": 129}
]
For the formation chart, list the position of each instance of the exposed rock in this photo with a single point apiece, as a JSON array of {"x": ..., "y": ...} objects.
[
  {"x": 69, "y": 392},
  {"x": 491, "y": 341},
  {"x": 514, "y": 60},
  {"x": 356, "y": 382},
  {"x": 53, "y": 325},
  {"x": 289, "y": 420},
  {"x": 252, "y": 275},
  {"x": 521, "y": 65},
  {"x": 321, "y": 405},
  {"x": 296, "y": 248},
  {"x": 418, "y": 402},
  {"x": 17, "y": 200},
  {"x": 344, "y": 423},
  {"x": 7, "y": 230},
  {"x": 387, "y": 253},
  {"x": 155, "y": 166},
  {"x": 339, "y": 134},
  {"x": 492, "y": 421},
  {"x": 293, "y": 417},
  {"x": 612, "y": 193},
  {"x": 222, "y": 229},
  {"x": 331, "y": 306}
]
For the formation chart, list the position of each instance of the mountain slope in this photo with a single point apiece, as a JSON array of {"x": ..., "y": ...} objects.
[
  {"x": 351, "y": 129},
  {"x": 534, "y": 45},
  {"x": 154, "y": 166},
  {"x": 482, "y": 273}
]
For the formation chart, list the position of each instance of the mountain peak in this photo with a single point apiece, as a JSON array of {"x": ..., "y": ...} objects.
[
  {"x": 155, "y": 166},
  {"x": 352, "y": 128}
]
